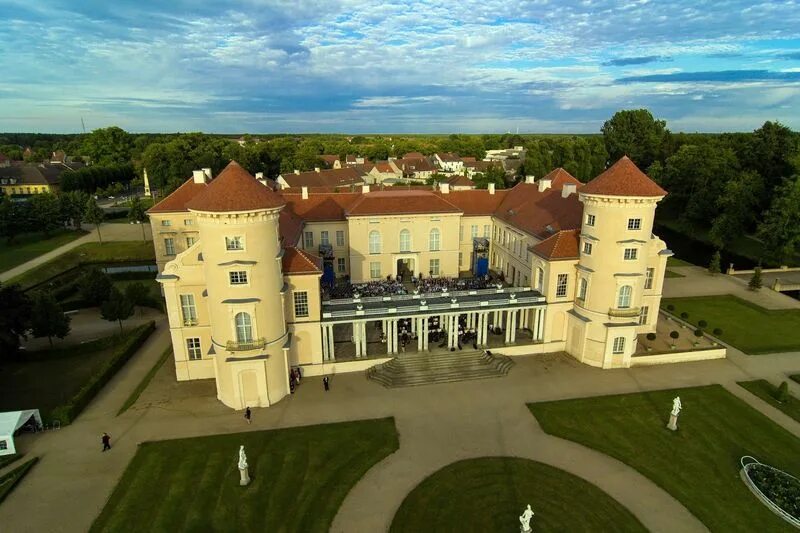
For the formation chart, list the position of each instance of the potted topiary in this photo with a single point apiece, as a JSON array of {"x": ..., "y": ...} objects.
[
  {"x": 674, "y": 336},
  {"x": 651, "y": 337},
  {"x": 698, "y": 333},
  {"x": 717, "y": 333},
  {"x": 684, "y": 316},
  {"x": 782, "y": 393},
  {"x": 702, "y": 324}
]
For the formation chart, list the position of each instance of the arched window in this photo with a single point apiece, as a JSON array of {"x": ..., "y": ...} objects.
[
  {"x": 624, "y": 297},
  {"x": 405, "y": 241},
  {"x": 582, "y": 291},
  {"x": 374, "y": 242},
  {"x": 434, "y": 240},
  {"x": 539, "y": 279},
  {"x": 244, "y": 328}
]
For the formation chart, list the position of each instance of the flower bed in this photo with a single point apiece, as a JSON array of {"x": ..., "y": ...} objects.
[{"x": 777, "y": 489}]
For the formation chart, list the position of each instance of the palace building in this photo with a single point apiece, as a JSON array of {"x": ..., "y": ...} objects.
[{"x": 259, "y": 282}]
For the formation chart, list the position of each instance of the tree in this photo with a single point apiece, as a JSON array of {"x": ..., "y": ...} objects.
[
  {"x": 117, "y": 307},
  {"x": 137, "y": 214},
  {"x": 94, "y": 286},
  {"x": 45, "y": 212},
  {"x": 714, "y": 266},
  {"x": 73, "y": 204},
  {"x": 494, "y": 174},
  {"x": 15, "y": 314},
  {"x": 738, "y": 207},
  {"x": 94, "y": 215},
  {"x": 755, "y": 280},
  {"x": 108, "y": 146},
  {"x": 770, "y": 151},
  {"x": 780, "y": 228},
  {"x": 10, "y": 220},
  {"x": 47, "y": 317},
  {"x": 634, "y": 133},
  {"x": 137, "y": 293}
]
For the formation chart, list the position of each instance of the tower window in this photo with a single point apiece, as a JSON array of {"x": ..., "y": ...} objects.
[
  {"x": 234, "y": 243},
  {"x": 624, "y": 297},
  {"x": 587, "y": 248},
  {"x": 634, "y": 223},
  {"x": 590, "y": 220},
  {"x": 244, "y": 328},
  {"x": 238, "y": 277},
  {"x": 631, "y": 254},
  {"x": 643, "y": 314},
  {"x": 583, "y": 287},
  {"x": 188, "y": 310}
]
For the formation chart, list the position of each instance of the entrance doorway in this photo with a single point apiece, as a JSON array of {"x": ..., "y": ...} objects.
[{"x": 405, "y": 268}]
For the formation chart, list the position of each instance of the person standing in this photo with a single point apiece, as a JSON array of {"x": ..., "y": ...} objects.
[
  {"x": 106, "y": 439},
  {"x": 326, "y": 384},
  {"x": 247, "y": 414}
]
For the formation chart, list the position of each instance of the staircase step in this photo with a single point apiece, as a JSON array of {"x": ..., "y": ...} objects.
[{"x": 408, "y": 370}]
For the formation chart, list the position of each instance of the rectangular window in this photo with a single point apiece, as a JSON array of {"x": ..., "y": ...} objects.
[
  {"x": 460, "y": 258},
  {"x": 486, "y": 231},
  {"x": 166, "y": 222},
  {"x": 619, "y": 345},
  {"x": 323, "y": 238},
  {"x": 590, "y": 220},
  {"x": 188, "y": 222},
  {"x": 193, "y": 348},
  {"x": 643, "y": 314},
  {"x": 190, "y": 241},
  {"x": 341, "y": 266},
  {"x": 434, "y": 267},
  {"x": 631, "y": 254},
  {"x": 234, "y": 243},
  {"x": 375, "y": 270},
  {"x": 308, "y": 242},
  {"x": 587, "y": 248},
  {"x": 648, "y": 278},
  {"x": 634, "y": 223},
  {"x": 169, "y": 246},
  {"x": 238, "y": 277},
  {"x": 301, "y": 304},
  {"x": 474, "y": 231},
  {"x": 561, "y": 285},
  {"x": 339, "y": 238},
  {"x": 188, "y": 310}
]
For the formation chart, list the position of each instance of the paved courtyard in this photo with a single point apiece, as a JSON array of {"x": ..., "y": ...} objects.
[{"x": 437, "y": 425}]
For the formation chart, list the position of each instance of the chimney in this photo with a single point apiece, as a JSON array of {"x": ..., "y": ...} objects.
[
  {"x": 445, "y": 188},
  {"x": 259, "y": 176},
  {"x": 364, "y": 189},
  {"x": 544, "y": 184},
  {"x": 567, "y": 189},
  {"x": 491, "y": 188},
  {"x": 296, "y": 171},
  {"x": 304, "y": 191},
  {"x": 529, "y": 179},
  {"x": 199, "y": 176},
  {"x": 207, "y": 172},
  {"x": 316, "y": 169}
]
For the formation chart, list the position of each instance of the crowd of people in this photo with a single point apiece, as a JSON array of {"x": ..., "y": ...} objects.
[
  {"x": 385, "y": 287},
  {"x": 436, "y": 333},
  {"x": 428, "y": 285},
  {"x": 393, "y": 286}
]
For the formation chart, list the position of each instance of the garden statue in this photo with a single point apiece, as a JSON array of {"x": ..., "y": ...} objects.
[
  {"x": 244, "y": 472},
  {"x": 673, "y": 416},
  {"x": 525, "y": 520}
]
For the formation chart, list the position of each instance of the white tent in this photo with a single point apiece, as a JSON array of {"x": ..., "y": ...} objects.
[{"x": 10, "y": 422}]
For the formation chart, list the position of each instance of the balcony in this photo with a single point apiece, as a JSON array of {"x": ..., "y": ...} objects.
[
  {"x": 188, "y": 322},
  {"x": 630, "y": 312},
  {"x": 255, "y": 344}
]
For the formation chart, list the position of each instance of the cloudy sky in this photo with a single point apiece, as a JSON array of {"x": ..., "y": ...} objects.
[{"x": 385, "y": 66}]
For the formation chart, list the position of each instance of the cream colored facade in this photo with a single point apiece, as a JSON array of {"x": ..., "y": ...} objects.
[{"x": 592, "y": 304}]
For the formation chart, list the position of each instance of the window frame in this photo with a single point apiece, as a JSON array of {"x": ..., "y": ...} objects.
[
  {"x": 644, "y": 314},
  {"x": 625, "y": 297},
  {"x": 618, "y": 346},
  {"x": 241, "y": 275},
  {"x": 649, "y": 278},
  {"x": 404, "y": 240},
  {"x": 188, "y": 304},
  {"x": 324, "y": 238},
  {"x": 561, "y": 288},
  {"x": 169, "y": 246},
  {"x": 634, "y": 224},
  {"x": 590, "y": 220},
  {"x": 341, "y": 265},
  {"x": 339, "y": 237},
  {"x": 435, "y": 240},
  {"x": 243, "y": 327},
  {"x": 191, "y": 349},
  {"x": 296, "y": 297},
  {"x": 234, "y": 243},
  {"x": 583, "y": 288},
  {"x": 587, "y": 248},
  {"x": 308, "y": 240},
  {"x": 375, "y": 270},
  {"x": 633, "y": 256},
  {"x": 434, "y": 261},
  {"x": 374, "y": 240}
]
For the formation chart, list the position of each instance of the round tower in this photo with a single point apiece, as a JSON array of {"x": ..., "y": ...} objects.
[
  {"x": 618, "y": 263},
  {"x": 237, "y": 219}
]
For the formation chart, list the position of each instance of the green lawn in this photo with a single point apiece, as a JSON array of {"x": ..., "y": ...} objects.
[
  {"x": 795, "y": 377},
  {"x": 746, "y": 326},
  {"x": 675, "y": 262},
  {"x": 671, "y": 274},
  {"x": 766, "y": 391},
  {"x": 490, "y": 493},
  {"x": 699, "y": 463},
  {"x": 300, "y": 476},
  {"x": 111, "y": 252},
  {"x": 145, "y": 381},
  {"x": 31, "y": 245}
]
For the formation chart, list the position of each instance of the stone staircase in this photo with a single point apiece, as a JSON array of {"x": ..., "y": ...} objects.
[{"x": 409, "y": 370}]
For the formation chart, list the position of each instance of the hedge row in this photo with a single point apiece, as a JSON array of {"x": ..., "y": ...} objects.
[
  {"x": 69, "y": 411},
  {"x": 10, "y": 480}
]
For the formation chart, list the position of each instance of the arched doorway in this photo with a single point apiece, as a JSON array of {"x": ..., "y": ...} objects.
[{"x": 405, "y": 268}]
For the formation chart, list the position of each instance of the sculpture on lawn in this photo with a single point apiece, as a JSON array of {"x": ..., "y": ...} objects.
[{"x": 525, "y": 520}]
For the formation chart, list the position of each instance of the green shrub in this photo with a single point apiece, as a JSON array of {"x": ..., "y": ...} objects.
[
  {"x": 128, "y": 346},
  {"x": 651, "y": 336},
  {"x": 684, "y": 315},
  {"x": 670, "y": 307},
  {"x": 717, "y": 332},
  {"x": 702, "y": 324},
  {"x": 782, "y": 392},
  {"x": 698, "y": 332}
]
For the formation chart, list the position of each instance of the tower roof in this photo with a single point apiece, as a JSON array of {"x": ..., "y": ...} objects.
[
  {"x": 235, "y": 189},
  {"x": 623, "y": 178},
  {"x": 562, "y": 245}
]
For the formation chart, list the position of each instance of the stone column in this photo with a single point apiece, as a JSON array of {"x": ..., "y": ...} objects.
[
  {"x": 364, "y": 339},
  {"x": 331, "y": 354},
  {"x": 508, "y": 326},
  {"x": 324, "y": 330},
  {"x": 387, "y": 331},
  {"x": 357, "y": 338},
  {"x": 513, "y": 326},
  {"x": 413, "y": 325},
  {"x": 426, "y": 330}
]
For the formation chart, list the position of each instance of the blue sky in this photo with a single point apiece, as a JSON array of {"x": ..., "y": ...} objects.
[{"x": 383, "y": 66}]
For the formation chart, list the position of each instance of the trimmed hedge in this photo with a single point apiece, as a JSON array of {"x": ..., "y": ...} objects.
[
  {"x": 10, "y": 480},
  {"x": 69, "y": 411}
]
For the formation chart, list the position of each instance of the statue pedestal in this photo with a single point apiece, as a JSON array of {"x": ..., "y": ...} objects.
[
  {"x": 245, "y": 477},
  {"x": 522, "y": 529},
  {"x": 673, "y": 422}
]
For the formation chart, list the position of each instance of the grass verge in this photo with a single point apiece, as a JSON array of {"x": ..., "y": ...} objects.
[
  {"x": 10, "y": 480},
  {"x": 300, "y": 476},
  {"x": 699, "y": 463},
  {"x": 675, "y": 262},
  {"x": 766, "y": 391},
  {"x": 747, "y": 326},
  {"x": 145, "y": 381},
  {"x": 489, "y": 493},
  {"x": 32, "y": 245}
]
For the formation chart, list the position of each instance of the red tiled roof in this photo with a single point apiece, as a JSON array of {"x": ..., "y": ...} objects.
[
  {"x": 413, "y": 155},
  {"x": 329, "y": 159},
  {"x": 320, "y": 207},
  {"x": 235, "y": 189},
  {"x": 476, "y": 202},
  {"x": 296, "y": 261},
  {"x": 290, "y": 226},
  {"x": 448, "y": 157},
  {"x": 559, "y": 177},
  {"x": 468, "y": 159},
  {"x": 562, "y": 245},
  {"x": 400, "y": 202},
  {"x": 384, "y": 166},
  {"x": 176, "y": 202},
  {"x": 410, "y": 165},
  {"x": 460, "y": 181},
  {"x": 532, "y": 211},
  {"x": 324, "y": 178},
  {"x": 623, "y": 178}
]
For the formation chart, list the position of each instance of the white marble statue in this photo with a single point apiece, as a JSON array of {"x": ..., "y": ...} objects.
[
  {"x": 242, "y": 458},
  {"x": 676, "y": 406},
  {"x": 525, "y": 520}
]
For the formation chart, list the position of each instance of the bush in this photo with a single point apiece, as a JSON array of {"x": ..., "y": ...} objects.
[
  {"x": 670, "y": 307},
  {"x": 651, "y": 336},
  {"x": 674, "y": 336},
  {"x": 698, "y": 332},
  {"x": 128, "y": 346},
  {"x": 684, "y": 315},
  {"x": 755, "y": 280},
  {"x": 782, "y": 392},
  {"x": 717, "y": 332},
  {"x": 702, "y": 324}
]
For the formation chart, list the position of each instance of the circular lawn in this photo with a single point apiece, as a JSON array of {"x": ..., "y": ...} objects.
[{"x": 490, "y": 493}]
